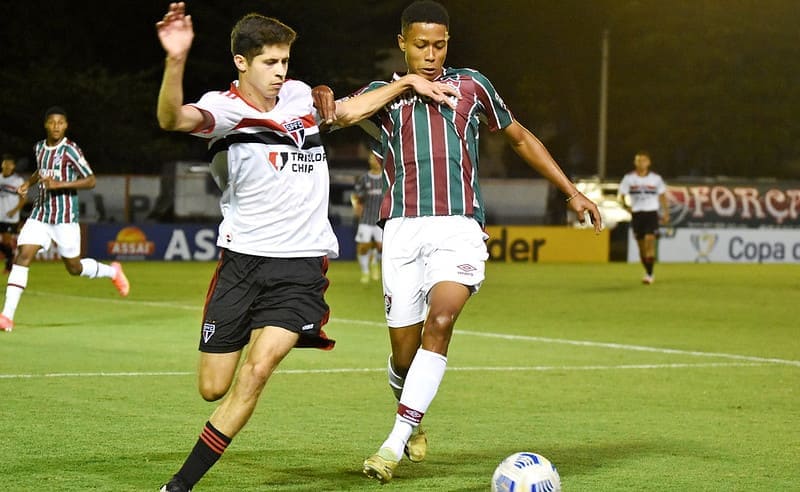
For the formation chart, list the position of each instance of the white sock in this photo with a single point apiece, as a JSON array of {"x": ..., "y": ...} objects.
[
  {"x": 422, "y": 383},
  {"x": 363, "y": 262},
  {"x": 17, "y": 281},
  {"x": 94, "y": 269},
  {"x": 376, "y": 256},
  {"x": 396, "y": 382}
]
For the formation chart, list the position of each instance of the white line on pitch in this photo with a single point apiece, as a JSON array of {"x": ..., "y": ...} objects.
[
  {"x": 350, "y": 370},
  {"x": 563, "y": 341},
  {"x": 588, "y": 343}
]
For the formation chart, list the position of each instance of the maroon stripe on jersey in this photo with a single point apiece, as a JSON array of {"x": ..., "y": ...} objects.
[
  {"x": 441, "y": 195},
  {"x": 411, "y": 198},
  {"x": 53, "y": 200},
  {"x": 389, "y": 170},
  {"x": 467, "y": 185},
  {"x": 66, "y": 196},
  {"x": 486, "y": 99}
]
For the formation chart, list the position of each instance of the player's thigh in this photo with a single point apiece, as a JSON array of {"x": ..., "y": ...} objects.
[
  {"x": 403, "y": 273},
  {"x": 457, "y": 253},
  {"x": 268, "y": 347},
  {"x": 35, "y": 233},
  {"x": 215, "y": 373},
  {"x": 68, "y": 240}
]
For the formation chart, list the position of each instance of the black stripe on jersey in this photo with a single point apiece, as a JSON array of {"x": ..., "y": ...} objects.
[{"x": 266, "y": 138}]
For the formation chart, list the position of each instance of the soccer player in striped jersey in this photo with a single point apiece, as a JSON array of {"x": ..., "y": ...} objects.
[
  {"x": 366, "y": 199},
  {"x": 645, "y": 191},
  {"x": 11, "y": 203},
  {"x": 434, "y": 250},
  {"x": 61, "y": 171},
  {"x": 267, "y": 156}
]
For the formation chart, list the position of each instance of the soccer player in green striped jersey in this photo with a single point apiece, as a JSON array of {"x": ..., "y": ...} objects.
[
  {"x": 434, "y": 249},
  {"x": 61, "y": 171}
]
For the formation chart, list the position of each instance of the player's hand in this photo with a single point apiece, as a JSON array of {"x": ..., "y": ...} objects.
[
  {"x": 48, "y": 183},
  {"x": 11, "y": 213},
  {"x": 324, "y": 103},
  {"x": 665, "y": 220},
  {"x": 23, "y": 189},
  {"x": 175, "y": 31},
  {"x": 436, "y": 91},
  {"x": 581, "y": 205}
]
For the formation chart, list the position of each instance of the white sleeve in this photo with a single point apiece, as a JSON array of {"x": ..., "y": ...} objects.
[
  {"x": 661, "y": 187},
  {"x": 624, "y": 186}
]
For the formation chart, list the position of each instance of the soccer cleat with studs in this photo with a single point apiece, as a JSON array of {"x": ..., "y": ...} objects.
[
  {"x": 381, "y": 465},
  {"x": 417, "y": 445},
  {"x": 119, "y": 279}
]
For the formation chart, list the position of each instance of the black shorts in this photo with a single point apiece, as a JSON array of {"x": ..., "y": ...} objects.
[
  {"x": 249, "y": 292},
  {"x": 644, "y": 223},
  {"x": 9, "y": 227}
]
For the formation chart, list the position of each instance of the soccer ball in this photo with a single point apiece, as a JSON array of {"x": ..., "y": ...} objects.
[{"x": 528, "y": 472}]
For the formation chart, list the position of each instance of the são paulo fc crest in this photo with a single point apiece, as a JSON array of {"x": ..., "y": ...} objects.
[
  {"x": 208, "y": 331},
  {"x": 297, "y": 131}
]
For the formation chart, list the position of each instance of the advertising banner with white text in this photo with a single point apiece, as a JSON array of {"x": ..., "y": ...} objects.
[{"x": 694, "y": 245}]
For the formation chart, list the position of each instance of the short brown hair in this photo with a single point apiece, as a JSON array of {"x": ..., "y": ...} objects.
[{"x": 254, "y": 31}]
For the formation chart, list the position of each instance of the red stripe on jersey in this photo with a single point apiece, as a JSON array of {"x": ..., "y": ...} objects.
[
  {"x": 260, "y": 122},
  {"x": 213, "y": 284},
  {"x": 486, "y": 99},
  {"x": 438, "y": 143},
  {"x": 409, "y": 163}
]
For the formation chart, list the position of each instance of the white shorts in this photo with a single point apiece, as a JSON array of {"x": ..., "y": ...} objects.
[
  {"x": 419, "y": 252},
  {"x": 367, "y": 233},
  {"x": 66, "y": 236}
]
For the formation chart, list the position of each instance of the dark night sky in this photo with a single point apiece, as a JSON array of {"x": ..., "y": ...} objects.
[{"x": 708, "y": 86}]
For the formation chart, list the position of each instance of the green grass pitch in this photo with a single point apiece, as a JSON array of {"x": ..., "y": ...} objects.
[{"x": 692, "y": 383}]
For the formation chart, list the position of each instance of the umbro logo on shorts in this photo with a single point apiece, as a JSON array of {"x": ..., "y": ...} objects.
[{"x": 466, "y": 268}]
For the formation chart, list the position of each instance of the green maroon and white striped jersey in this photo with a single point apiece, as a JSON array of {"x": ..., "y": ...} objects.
[
  {"x": 63, "y": 162},
  {"x": 430, "y": 151}
]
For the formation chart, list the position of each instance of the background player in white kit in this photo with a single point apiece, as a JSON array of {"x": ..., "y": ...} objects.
[
  {"x": 645, "y": 191},
  {"x": 61, "y": 171},
  {"x": 366, "y": 199},
  {"x": 267, "y": 156},
  {"x": 11, "y": 203}
]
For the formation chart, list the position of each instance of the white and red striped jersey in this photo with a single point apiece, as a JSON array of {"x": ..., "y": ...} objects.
[
  {"x": 63, "y": 162},
  {"x": 273, "y": 172},
  {"x": 9, "y": 198},
  {"x": 643, "y": 191}
]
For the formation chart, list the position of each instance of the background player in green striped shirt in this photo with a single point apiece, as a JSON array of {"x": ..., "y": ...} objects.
[
  {"x": 61, "y": 171},
  {"x": 434, "y": 249}
]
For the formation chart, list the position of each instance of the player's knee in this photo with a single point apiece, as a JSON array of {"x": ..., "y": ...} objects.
[
  {"x": 441, "y": 323},
  {"x": 74, "y": 269},
  {"x": 212, "y": 390}
]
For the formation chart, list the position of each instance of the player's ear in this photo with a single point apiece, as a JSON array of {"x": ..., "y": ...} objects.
[
  {"x": 401, "y": 42},
  {"x": 240, "y": 62}
]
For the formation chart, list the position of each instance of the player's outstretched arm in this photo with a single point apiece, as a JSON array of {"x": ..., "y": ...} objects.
[
  {"x": 175, "y": 32},
  {"x": 352, "y": 110},
  {"x": 535, "y": 154}
]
